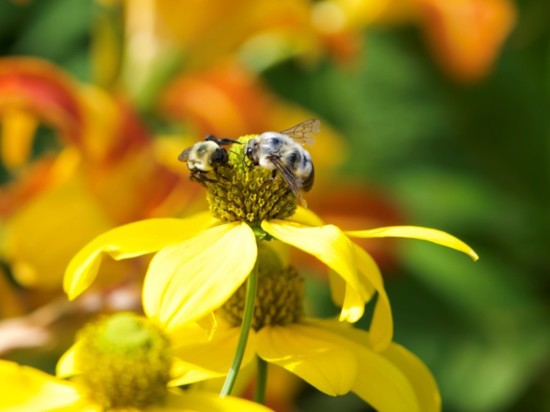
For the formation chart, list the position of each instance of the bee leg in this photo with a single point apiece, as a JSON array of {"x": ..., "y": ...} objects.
[
  {"x": 223, "y": 177},
  {"x": 201, "y": 178},
  {"x": 268, "y": 181},
  {"x": 248, "y": 165}
]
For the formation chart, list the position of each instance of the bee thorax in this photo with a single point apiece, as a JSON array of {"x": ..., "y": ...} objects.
[{"x": 266, "y": 163}]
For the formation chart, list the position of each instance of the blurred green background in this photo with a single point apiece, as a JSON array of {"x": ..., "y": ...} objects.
[{"x": 469, "y": 159}]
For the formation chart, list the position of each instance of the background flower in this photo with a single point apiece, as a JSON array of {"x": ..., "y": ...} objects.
[{"x": 119, "y": 362}]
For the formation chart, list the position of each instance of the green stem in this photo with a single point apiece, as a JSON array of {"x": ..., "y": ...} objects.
[
  {"x": 261, "y": 381},
  {"x": 248, "y": 315}
]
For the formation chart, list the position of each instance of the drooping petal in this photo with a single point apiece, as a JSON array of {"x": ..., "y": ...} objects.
[
  {"x": 344, "y": 296},
  {"x": 393, "y": 380},
  {"x": 337, "y": 288},
  {"x": 187, "y": 280},
  {"x": 384, "y": 385},
  {"x": 127, "y": 241},
  {"x": 381, "y": 328},
  {"x": 418, "y": 232},
  {"x": 419, "y": 376},
  {"x": 28, "y": 389},
  {"x": 310, "y": 353},
  {"x": 332, "y": 247},
  {"x": 206, "y": 402},
  {"x": 200, "y": 360}
]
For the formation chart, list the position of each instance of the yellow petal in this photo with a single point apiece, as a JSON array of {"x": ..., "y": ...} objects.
[
  {"x": 332, "y": 247},
  {"x": 417, "y": 232},
  {"x": 208, "y": 324},
  {"x": 419, "y": 377},
  {"x": 123, "y": 242},
  {"x": 387, "y": 383},
  {"x": 310, "y": 353},
  {"x": 185, "y": 373},
  {"x": 383, "y": 385},
  {"x": 206, "y": 402},
  {"x": 381, "y": 328},
  {"x": 305, "y": 217},
  {"x": 199, "y": 360},
  {"x": 337, "y": 288},
  {"x": 188, "y": 280},
  {"x": 28, "y": 389},
  {"x": 66, "y": 367}
]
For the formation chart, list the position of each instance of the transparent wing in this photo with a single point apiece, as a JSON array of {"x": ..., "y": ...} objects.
[
  {"x": 184, "y": 156},
  {"x": 303, "y": 132},
  {"x": 289, "y": 178}
]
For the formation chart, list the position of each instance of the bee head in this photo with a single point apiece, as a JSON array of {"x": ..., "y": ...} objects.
[
  {"x": 251, "y": 150},
  {"x": 219, "y": 156}
]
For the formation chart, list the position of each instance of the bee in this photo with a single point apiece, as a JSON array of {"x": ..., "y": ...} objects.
[
  {"x": 283, "y": 152},
  {"x": 205, "y": 156}
]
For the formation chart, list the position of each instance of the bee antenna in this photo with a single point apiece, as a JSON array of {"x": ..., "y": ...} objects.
[{"x": 227, "y": 141}]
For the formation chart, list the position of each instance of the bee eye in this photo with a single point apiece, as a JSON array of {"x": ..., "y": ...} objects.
[{"x": 250, "y": 147}]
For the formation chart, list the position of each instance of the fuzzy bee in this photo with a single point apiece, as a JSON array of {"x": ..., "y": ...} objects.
[
  {"x": 283, "y": 152},
  {"x": 205, "y": 156}
]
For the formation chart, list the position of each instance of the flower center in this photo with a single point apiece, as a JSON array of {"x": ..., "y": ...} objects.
[
  {"x": 240, "y": 191},
  {"x": 279, "y": 297},
  {"x": 124, "y": 361}
]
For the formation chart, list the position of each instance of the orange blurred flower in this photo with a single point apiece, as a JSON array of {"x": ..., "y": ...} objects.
[
  {"x": 138, "y": 45},
  {"x": 105, "y": 172},
  {"x": 464, "y": 35}
]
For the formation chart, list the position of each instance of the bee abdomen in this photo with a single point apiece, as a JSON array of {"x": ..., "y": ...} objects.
[
  {"x": 307, "y": 183},
  {"x": 293, "y": 157}
]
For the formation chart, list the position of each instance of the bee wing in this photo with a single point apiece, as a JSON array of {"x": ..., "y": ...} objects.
[
  {"x": 184, "y": 156},
  {"x": 304, "y": 131},
  {"x": 289, "y": 178}
]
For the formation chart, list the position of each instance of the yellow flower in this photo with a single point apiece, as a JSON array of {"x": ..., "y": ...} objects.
[
  {"x": 119, "y": 363},
  {"x": 331, "y": 356},
  {"x": 201, "y": 261}
]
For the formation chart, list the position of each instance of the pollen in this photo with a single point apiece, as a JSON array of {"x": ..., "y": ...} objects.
[
  {"x": 279, "y": 298},
  {"x": 124, "y": 361},
  {"x": 240, "y": 191}
]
